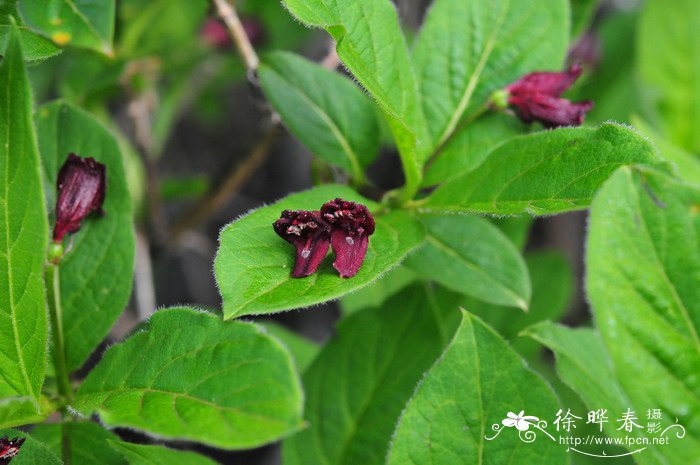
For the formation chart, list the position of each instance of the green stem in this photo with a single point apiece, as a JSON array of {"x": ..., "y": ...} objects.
[{"x": 58, "y": 351}]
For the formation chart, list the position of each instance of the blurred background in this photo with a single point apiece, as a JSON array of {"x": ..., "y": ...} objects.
[{"x": 203, "y": 147}]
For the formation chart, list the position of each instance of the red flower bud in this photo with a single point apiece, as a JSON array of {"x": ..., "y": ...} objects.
[
  {"x": 309, "y": 233},
  {"x": 215, "y": 34},
  {"x": 537, "y": 96},
  {"x": 352, "y": 224},
  {"x": 81, "y": 190},
  {"x": 9, "y": 448}
]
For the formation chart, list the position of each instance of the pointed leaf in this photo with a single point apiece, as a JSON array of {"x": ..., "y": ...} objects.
[
  {"x": 97, "y": 271},
  {"x": 20, "y": 411},
  {"x": 361, "y": 380},
  {"x": 543, "y": 173},
  {"x": 83, "y": 443},
  {"x": 470, "y": 255},
  {"x": 34, "y": 46},
  {"x": 188, "y": 375},
  {"x": 23, "y": 235},
  {"x": 253, "y": 264},
  {"x": 138, "y": 454},
  {"x": 303, "y": 350},
  {"x": 476, "y": 382}
]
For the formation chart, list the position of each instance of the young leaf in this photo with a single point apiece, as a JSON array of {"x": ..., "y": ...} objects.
[
  {"x": 253, "y": 265},
  {"x": 34, "y": 46},
  {"x": 23, "y": 235},
  {"x": 585, "y": 366},
  {"x": 83, "y": 443},
  {"x": 470, "y": 255},
  {"x": 643, "y": 282},
  {"x": 97, "y": 271},
  {"x": 138, "y": 454},
  {"x": 188, "y": 375},
  {"x": 476, "y": 382},
  {"x": 669, "y": 59},
  {"x": 32, "y": 452},
  {"x": 325, "y": 110},
  {"x": 544, "y": 173},
  {"x": 371, "y": 45},
  {"x": 19, "y": 411},
  {"x": 468, "y": 49},
  {"x": 81, "y": 23},
  {"x": 361, "y": 380}
]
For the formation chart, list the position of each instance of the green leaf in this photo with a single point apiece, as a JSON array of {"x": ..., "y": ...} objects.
[
  {"x": 83, "y": 443},
  {"x": 468, "y": 49},
  {"x": 516, "y": 228},
  {"x": 582, "y": 14},
  {"x": 371, "y": 45},
  {"x": 585, "y": 366},
  {"x": 470, "y": 255},
  {"x": 362, "y": 379},
  {"x": 325, "y": 110},
  {"x": 376, "y": 293},
  {"x": 471, "y": 145},
  {"x": 253, "y": 264},
  {"x": 19, "y": 411},
  {"x": 552, "y": 291},
  {"x": 669, "y": 59},
  {"x": 687, "y": 165},
  {"x": 34, "y": 46},
  {"x": 476, "y": 382},
  {"x": 97, "y": 271},
  {"x": 643, "y": 281},
  {"x": 32, "y": 452},
  {"x": 303, "y": 350},
  {"x": 138, "y": 454},
  {"x": 23, "y": 235},
  {"x": 188, "y": 375},
  {"x": 544, "y": 173}
]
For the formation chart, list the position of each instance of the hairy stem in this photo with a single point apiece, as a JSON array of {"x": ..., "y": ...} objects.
[{"x": 53, "y": 279}]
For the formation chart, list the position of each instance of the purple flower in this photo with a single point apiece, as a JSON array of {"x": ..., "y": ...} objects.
[
  {"x": 351, "y": 224},
  {"x": 81, "y": 190},
  {"x": 309, "y": 233},
  {"x": 538, "y": 97},
  {"x": 9, "y": 448}
]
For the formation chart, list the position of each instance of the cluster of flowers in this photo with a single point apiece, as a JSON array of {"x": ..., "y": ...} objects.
[{"x": 344, "y": 225}]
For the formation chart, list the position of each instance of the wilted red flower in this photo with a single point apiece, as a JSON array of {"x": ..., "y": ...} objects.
[
  {"x": 351, "y": 225},
  {"x": 81, "y": 190},
  {"x": 9, "y": 448},
  {"x": 537, "y": 96},
  {"x": 309, "y": 233}
]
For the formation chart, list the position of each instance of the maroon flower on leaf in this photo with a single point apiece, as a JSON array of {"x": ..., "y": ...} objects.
[
  {"x": 9, "y": 448},
  {"x": 309, "y": 233},
  {"x": 538, "y": 97},
  {"x": 81, "y": 190},
  {"x": 352, "y": 224}
]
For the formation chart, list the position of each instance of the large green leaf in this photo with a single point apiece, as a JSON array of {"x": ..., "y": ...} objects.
[
  {"x": 325, "y": 110},
  {"x": 543, "y": 173},
  {"x": 83, "y": 443},
  {"x": 189, "y": 375},
  {"x": 23, "y": 235},
  {"x": 643, "y": 282},
  {"x": 470, "y": 255},
  {"x": 34, "y": 46},
  {"x": 32, "y": 452},
  {"x": 584, "y": 365},
  {"x": 97, "y": 272},
  {"x": 19, "y": 411},
  {"x": 138, "y": 454},
  {"x": 379, "y": 291},
  {"x": 468, "y": 49},
  {"x": 669, "y": 59},
  {"x": 303, "y": 350},
  {"x": 371, "y": 45},
  {"x": 476, "y": 382},
  {"x": 81, "y": 23},
  {"x": 362, "y": 379},
  {"x": 253, "y": 264}
]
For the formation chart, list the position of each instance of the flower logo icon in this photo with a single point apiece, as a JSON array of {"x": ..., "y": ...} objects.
[{"x": 520, "y": 421}]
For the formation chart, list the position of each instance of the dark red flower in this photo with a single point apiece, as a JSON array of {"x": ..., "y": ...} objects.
[
  {"x": 309, "y": 233},
  {"x": 9, "y": 448},
  {"x": 81, "y": 190},
  {"x": 351, "y": 224},
  {"x": 215, "y": 34},
  {"x": 255, "y": 31},
  {"x": 538, "y": 97}
]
